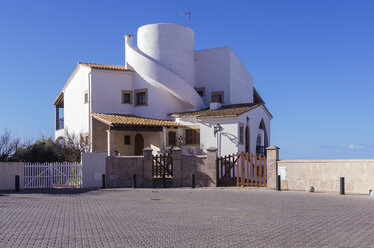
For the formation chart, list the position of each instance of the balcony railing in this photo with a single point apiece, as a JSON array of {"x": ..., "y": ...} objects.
[
  {"x": 60, "y": 123},
  {"x": 260, "y": 150}
]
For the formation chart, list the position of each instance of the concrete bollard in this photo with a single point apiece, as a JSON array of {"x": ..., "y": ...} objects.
[
  {"x": 163, "y": 180},
  {"x": 17, "y": 183},
  {"x": 134, "y": 181},
  {"x": 342, "y": 188},
  {"x": 278, "y": 183},
  {"x": 310, "y": 189},
  {"x": 371, "y": 193},
  {"x": 103, "y": 181}
]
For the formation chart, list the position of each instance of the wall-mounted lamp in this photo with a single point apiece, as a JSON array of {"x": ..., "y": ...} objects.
[
  {"x": 217, "y": 128},
  {"x": 247, "y": 119}
]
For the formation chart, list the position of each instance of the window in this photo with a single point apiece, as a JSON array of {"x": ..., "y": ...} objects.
[
  {"x": 200, "y": 91},
  {"x": 141, "y": 97},
  {"x": 192, "y": 136},
  {"x": 172, "y": 138},
  {"x": 86, "y": 97},
  {"x": 217, "y": 96},
  {"x": 126, "y": 97},
  {"x": 241, "y": 133},
  {"x": 259, "y": 139},
  {"x": 127, "y": 140}
]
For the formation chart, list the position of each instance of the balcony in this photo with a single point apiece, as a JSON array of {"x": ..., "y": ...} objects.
[{"x": 60, "y": 123}]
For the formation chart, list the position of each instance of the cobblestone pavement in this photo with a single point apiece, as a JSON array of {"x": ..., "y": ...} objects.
[{"x": 185, "y": 218}]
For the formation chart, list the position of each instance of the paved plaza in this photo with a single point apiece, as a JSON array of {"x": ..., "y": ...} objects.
[{"x": 204, "y": 217}]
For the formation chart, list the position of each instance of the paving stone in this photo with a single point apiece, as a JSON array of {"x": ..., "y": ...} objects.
[{"x": 204, "y": 217}]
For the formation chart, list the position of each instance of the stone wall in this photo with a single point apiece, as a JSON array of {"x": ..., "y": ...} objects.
[
  {"x": 119, "y": 171},
  {"x": 8, "y": 172},
  {"x": 324, "y": 175},
  {"x": 194, "y": 165}
]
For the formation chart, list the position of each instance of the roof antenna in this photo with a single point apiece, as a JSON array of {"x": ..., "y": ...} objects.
[
  {"x": 187, "y": 13},
  {"x": 188, "y": 16}
]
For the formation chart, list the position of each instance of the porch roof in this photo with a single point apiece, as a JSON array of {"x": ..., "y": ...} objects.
[
  {"x": 225, "y": 111},
  {"x": 122, "y": 120}
]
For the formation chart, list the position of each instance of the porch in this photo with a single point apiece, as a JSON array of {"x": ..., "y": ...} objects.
[{"x": 128, "y": 135}]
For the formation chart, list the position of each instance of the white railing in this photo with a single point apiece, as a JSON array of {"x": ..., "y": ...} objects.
[{"x": 52, "y": 175}]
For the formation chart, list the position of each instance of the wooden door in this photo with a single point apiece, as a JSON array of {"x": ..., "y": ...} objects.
[{"x": 139, "y": 144}]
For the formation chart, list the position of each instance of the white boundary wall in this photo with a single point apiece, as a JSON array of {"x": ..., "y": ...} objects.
[
  {"x": 93, "y": 169},
  {"x": 324, "y": 175},
  {"x": 8, "y": 172}
]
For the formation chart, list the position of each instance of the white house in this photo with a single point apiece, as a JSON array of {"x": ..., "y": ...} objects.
[{"x": 167, "y": 94}]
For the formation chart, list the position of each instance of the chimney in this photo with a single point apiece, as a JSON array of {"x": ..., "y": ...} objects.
[
  {"x": 128, "y": 42},
  {"x": 215, "y": 105}
]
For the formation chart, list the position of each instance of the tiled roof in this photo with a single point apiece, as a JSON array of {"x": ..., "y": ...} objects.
[
  {"x": 133, "y": 120},
  {"x": 224, "y": 111},
  {"x": 106, "y": 67}
]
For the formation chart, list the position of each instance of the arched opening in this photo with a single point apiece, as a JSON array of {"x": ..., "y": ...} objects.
[
  {"x": 262, "y": 139},
  {"x": 139, "y": 144},
  {"x": 61, "y": 140},
  {"x": 247, "y": 139}
]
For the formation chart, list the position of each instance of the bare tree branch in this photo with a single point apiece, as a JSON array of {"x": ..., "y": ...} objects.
[{"x": 8, "y": 145}]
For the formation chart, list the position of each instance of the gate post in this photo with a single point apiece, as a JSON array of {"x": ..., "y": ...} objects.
[
  {"x": 272, "y": 166},
  {"x": 212, "y": 166},
  {"x": 177, "y": 167},
  {"x": 147, "y": 167}
]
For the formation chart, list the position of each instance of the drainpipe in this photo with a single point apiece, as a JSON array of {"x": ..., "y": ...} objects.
[{"x": 89, "y": 113}]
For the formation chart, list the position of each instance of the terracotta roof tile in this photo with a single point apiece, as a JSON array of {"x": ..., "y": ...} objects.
[
  {"x": 106, "y": 67},
  {"x": 224, "y": 111},
  {"x": 133, "y": 120}
]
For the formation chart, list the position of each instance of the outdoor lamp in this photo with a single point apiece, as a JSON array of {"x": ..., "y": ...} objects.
[{"x": 217, "y": 128}]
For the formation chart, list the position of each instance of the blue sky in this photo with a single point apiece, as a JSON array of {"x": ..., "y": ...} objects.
[{"x": 312, "y": 61}]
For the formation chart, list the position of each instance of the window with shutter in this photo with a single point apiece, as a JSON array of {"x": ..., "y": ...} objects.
[
  {"x": 172, "y": 138},
  {"x": 192, "y": 136}
]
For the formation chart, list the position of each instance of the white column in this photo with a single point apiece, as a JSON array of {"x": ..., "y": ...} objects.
[
  {"x": 110, "y": 141},
  {"x": 180, "y": 135},
  {"x": 164, "y": 138}
]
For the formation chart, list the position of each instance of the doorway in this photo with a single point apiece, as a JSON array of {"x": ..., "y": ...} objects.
[{"x": 139, "y": 144}]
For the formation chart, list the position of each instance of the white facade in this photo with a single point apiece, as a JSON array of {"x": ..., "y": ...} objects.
[{"x": 166, "y": 66}]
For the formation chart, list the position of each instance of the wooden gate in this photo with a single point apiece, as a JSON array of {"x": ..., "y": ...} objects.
[
  {"x": 52, "y": 175},
  {"x": 242, "y": 169},
  {"x": 162, "y": 164}
]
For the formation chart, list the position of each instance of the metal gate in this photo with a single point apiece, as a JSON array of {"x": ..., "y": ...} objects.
[
  {"x": 242, "y": 169},
  {"x": 162, "y": 165},
  {"x": 52, "y": 175}
]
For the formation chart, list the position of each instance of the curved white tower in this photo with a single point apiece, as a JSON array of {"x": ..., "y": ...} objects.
[
  {"x": 172, "y": 45},
  {"x": 165, "y": 58}
]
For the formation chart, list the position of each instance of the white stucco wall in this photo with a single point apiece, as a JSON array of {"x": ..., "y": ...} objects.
[
  {"x": 160, "y": 102},
  {"x": 241, "y": 82},
  {"x": 255, "y": 117},
  {"x": 8, "y": 172},
  {"x": 93, "y": 169},
  {"x": 219, "y": 69},
  {"x": 76, "y": 112},
  {"x": 228, "y": 138},
  {"x": 106, "y": 91},
  {"x": 172, "y": 45},
  {"x": 213, "y": 72}
]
